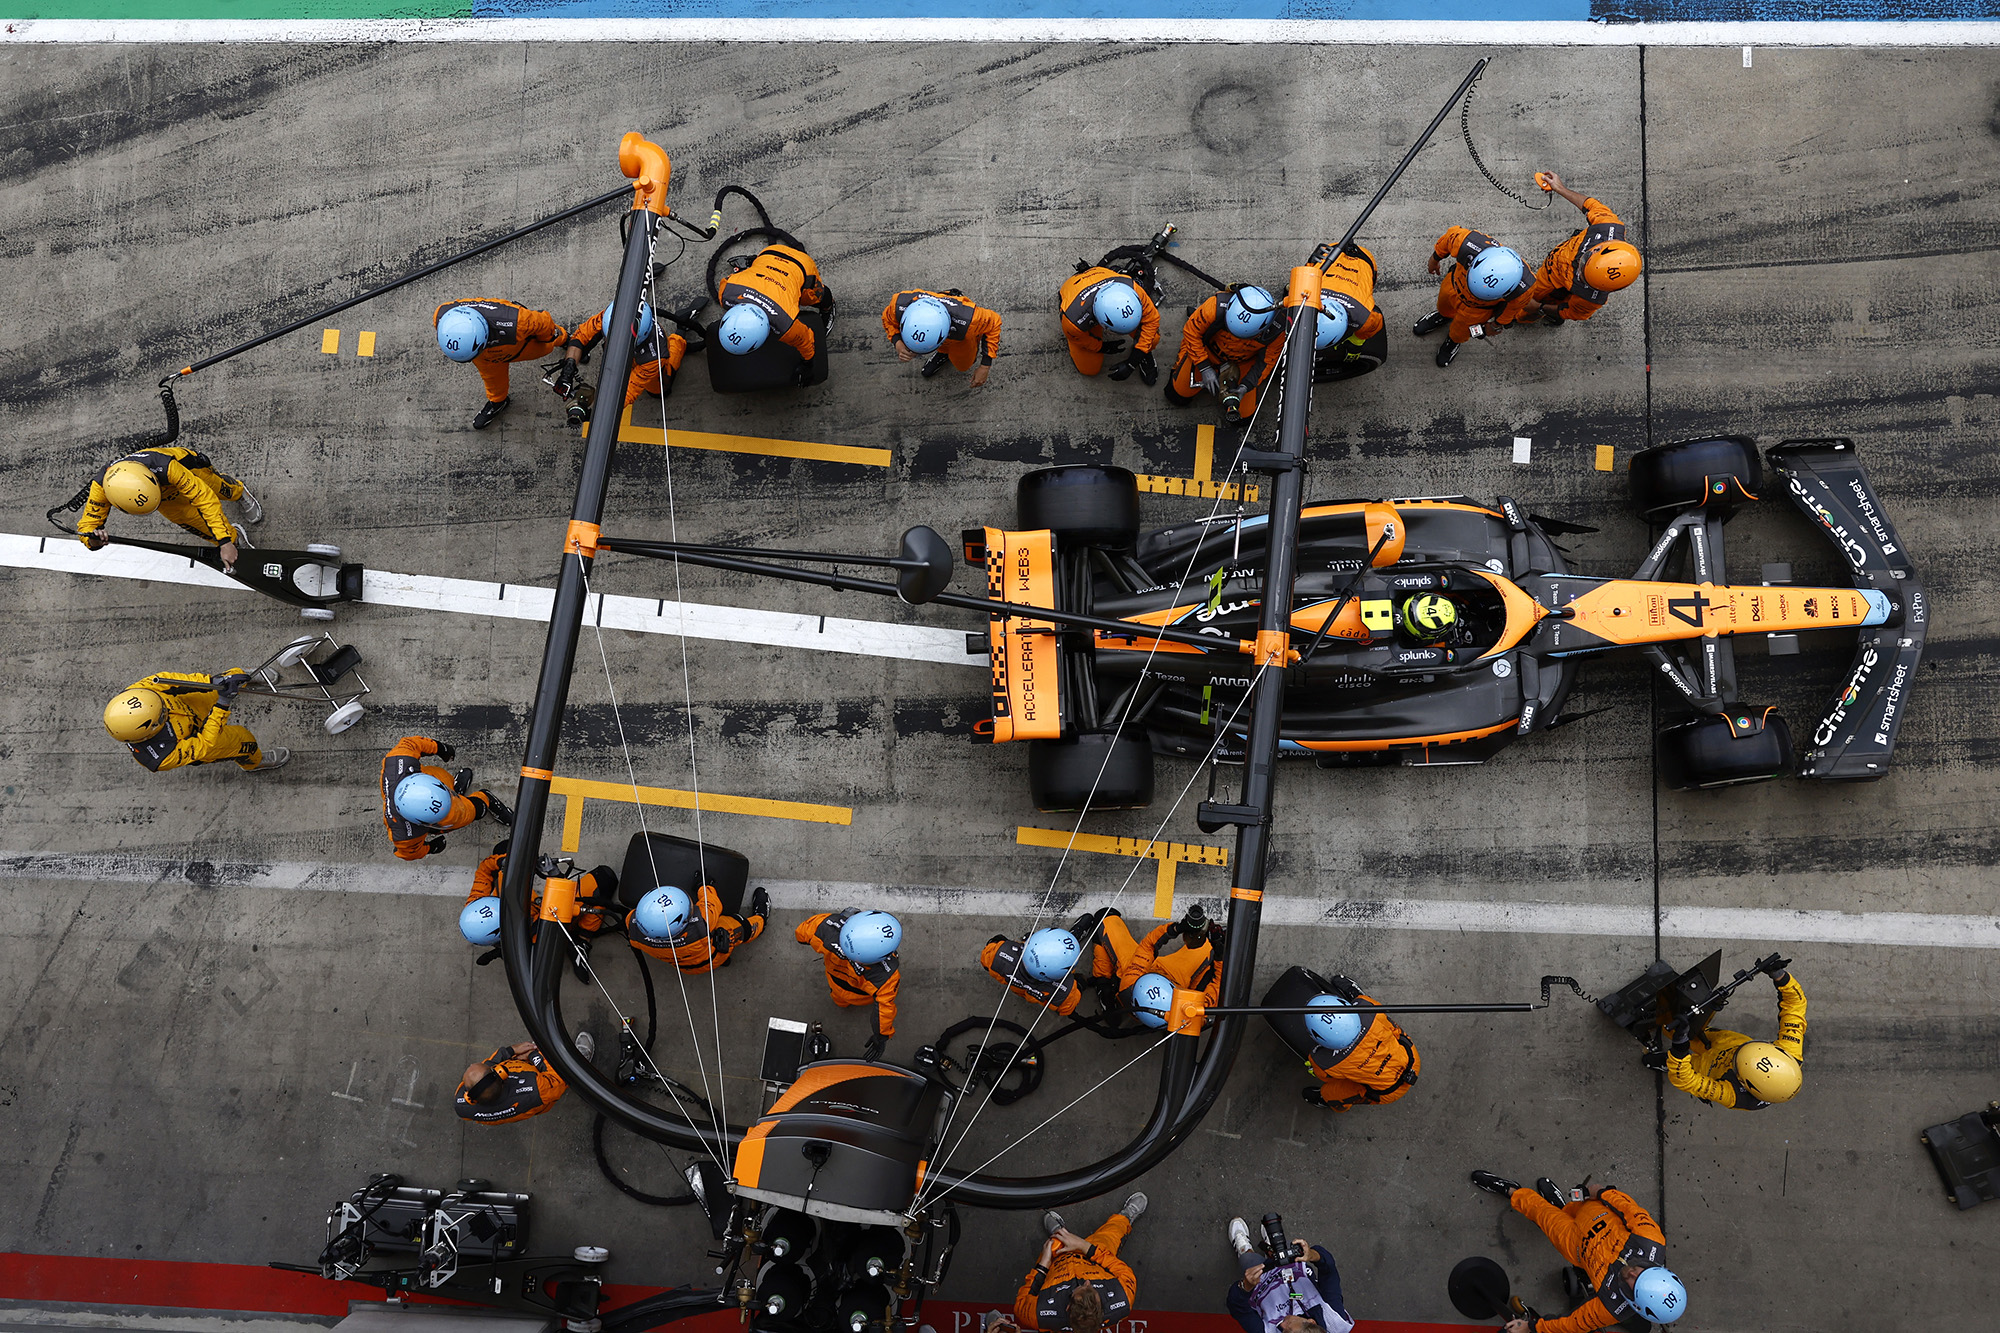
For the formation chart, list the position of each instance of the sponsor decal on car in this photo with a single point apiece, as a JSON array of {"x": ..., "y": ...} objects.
[{"x": 1829, "y": 726}]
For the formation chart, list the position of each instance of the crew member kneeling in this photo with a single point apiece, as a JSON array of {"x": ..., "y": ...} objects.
[
  {"x": 1097, "y": 309},
  {"x": 764, "y": 298},
  {"x": 951, "y": 328},
  {"x": 694, "y": 934},
  {"x": 1360, "y": 1060},
  {"x": 656, "y": 360},
  {"x": 1228, "y": 347}
]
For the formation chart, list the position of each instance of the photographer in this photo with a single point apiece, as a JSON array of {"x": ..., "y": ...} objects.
[{"x": 1288, "y": 1286}]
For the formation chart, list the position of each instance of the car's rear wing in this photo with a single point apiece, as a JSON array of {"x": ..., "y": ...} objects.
[{"x": 1853, "y": 742}]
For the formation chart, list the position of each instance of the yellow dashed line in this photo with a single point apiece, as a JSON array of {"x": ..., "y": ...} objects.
[
  {"x": 365, "y": 344},
  {"x": 329, "y": 341},
  {"x": 1604, "y": 457}
]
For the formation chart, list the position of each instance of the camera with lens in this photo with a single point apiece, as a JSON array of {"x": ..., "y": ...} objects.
[{"x": 1278, "y": 1249}]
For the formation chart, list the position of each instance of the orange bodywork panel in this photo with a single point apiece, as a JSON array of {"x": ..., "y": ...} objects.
[
  {"x": 1027, "y": 699},
  {"x": 1626, "y": 611},
  {"x": 1405, "y": 742},
  {"x": 750, "y": 1151},
  {"x": 1523, "y": 613}
]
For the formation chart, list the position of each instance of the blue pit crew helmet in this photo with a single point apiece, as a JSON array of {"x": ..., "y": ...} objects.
[
  {"x": 1152, "y": 999},
  {"x": 1249, "y": 311},
  {"x": 462, "y": 333},
  {"x": 1337, "y": 1029},
  {"x": 743, "y": 329},
  {"x": 645, "y": 321},
  {"x": 1048, "y": 953},
  {"x": 1116, "y": 306},
  {"x": 422, "y": 799},
  {"x": 926, "y": 320},
  {"x": 662, "y": 915},
  {"x": 866, "y": 938},
  {"x": 479, "y": 921},
  {"x": 1332, "y": 323},
  {"x": 1659, "y": 1295},
  {"x": 1496, "y": 272}
]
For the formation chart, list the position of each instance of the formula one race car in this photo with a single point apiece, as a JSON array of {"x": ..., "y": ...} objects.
[{"x": 1432, "y": 630}]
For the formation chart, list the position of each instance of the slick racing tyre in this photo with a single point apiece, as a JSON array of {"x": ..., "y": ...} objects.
[
  {"x": 1671, "y": 477},
  {"x": 1109, "y": 770},
  {"x": 1083, "y": 504},
  {"x": 653, "y": 859},
  {"x": 1724, "y": 751}
]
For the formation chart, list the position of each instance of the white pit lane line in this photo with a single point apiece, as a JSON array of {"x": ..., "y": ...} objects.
[
  {"x": 1885, "y": 929},
  {"x": 644, "y": 615}
]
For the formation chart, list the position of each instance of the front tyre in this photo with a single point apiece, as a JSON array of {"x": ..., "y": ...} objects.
[
  {"x": 1082, "y": 504},
  {"x": 1717, "y": 473},
  {"x": 1724, "y": 751}
]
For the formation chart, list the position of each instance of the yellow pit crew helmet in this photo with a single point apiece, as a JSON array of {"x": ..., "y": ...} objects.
[
  {"x": 132, "y": 487},
  {"x": 1769, "y": 1073},
  {"x": 136, "y": 715}
]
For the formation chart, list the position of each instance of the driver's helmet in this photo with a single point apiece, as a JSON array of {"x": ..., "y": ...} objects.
[{"x": 1429, "y": 615}]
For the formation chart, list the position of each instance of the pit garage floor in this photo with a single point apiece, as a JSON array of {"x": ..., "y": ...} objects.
[{"x": 223, "y": 1004}]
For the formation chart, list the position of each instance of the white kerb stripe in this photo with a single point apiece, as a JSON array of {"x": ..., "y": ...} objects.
[
  {"x": 1896, "y": 929},
  {"x": 513, "y": 601}
]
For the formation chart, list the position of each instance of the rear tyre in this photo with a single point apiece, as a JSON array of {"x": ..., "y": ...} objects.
[
  {"x": 1107, "y": 770},
  {"x": 1083, "y": 504},
  {"x": 1709, "y": 752},
  {"x": 681, "y": 862},
  {"x": 1685, "y": 473}
]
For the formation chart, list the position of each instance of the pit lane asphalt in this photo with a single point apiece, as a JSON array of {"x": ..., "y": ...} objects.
[{"x": 192, "y": 1070}]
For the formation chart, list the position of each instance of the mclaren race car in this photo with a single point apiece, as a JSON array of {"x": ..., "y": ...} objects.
[{"x": 1433, "y": 630}]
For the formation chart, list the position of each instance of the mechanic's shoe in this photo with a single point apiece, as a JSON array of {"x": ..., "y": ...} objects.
[
  {"x": 1655, "y": 1061},
  {"x": 1134, "y": 1207},
  {"x": 937, "y": 362},
  {"x": 586, "y": 1045},
  {"x": 760, "y": 903},
  {"x": 1052, "y": 1221},
  {"x": 275, "y": 757},
  {"x": 247, "y": 506},
  {"x": 1447, "y": 352},
  {"x": 1493, "y": 1184},
  {"x": 1239, "y": 1235},
  {"x": 1547, "y": 1189},
  {"x": 500, "y": 809},
  {"x": 1430, "y": 323},
  {"x": 490, "y": 413},
  {"x": 1576, "y": 1284},
  {"x": 461, "y": 781},
  {"x": 579, "y": 963},
  {"x": 243, "y": 539}
]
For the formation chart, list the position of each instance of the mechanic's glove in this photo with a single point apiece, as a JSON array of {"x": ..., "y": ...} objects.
[
  {"x": 434, "y": 845},
  {"x": 92, "y": 540},
  {"x": 447, "y": 751},
  {"x": 1677, "y": 1038},
  {"x": 228, "y": 687},
  {"x": 1112, "y": 346},
  {"x": 721, "y": 940},
  {"x": 1342, "y": 987},
  {"x": 1209, "y": 381},
  {"x": 563, "y": 378},
  {"x": 487, "y": 957},
  {"x": 1120, "y": 372},
  {"x": 1778, "y": 969},
  {"x": 1312, "y": 1095},
  {"x": 871, "y": 1050},
  {"x": 500, "y": 847},
  {"x": 1149, "y": 373}
]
